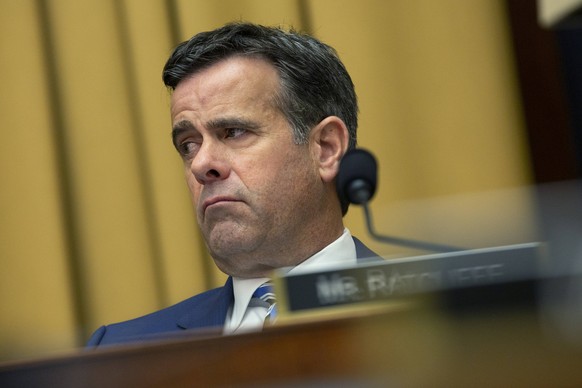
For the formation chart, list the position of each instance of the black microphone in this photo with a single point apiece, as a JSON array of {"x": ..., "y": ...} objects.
[{"x": 356, "y": 183}]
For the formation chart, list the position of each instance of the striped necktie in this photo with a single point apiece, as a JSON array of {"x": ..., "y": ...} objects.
[{"x": 265, "y": 294}]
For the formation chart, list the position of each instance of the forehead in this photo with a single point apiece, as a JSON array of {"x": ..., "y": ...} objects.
[{"x": 235, "y": 79}]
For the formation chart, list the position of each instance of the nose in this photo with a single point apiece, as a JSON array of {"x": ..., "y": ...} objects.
[{"x": 210, "y": 164}]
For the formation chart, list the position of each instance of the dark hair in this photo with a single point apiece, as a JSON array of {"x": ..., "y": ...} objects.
[{"x": 314, "y": 82}]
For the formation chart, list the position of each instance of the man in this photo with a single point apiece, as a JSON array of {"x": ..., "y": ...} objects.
[{"x": 261, "y": 118}]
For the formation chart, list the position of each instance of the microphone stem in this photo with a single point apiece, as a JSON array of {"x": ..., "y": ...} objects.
[{"x": 402, "y": 241}]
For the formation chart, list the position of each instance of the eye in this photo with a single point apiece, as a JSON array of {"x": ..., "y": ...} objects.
[
  {"x": 234, "y": 132},
  {"x": 187, "y": 148}
]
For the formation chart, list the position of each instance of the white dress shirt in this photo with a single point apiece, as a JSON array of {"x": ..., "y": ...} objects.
[{"x": 242, "y": 318}]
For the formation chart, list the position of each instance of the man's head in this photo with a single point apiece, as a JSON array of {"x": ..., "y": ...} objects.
[{"x": 261, "y": 119}]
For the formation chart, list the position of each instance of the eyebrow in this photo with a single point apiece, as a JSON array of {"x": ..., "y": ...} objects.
[
  {"x": 181, "y": 127},
  {"x": 232, "y": 122},
  {"x": 223, "y": 122}
]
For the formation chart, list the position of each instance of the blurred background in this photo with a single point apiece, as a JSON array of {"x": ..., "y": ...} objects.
[{"x": 467, "y": 105}]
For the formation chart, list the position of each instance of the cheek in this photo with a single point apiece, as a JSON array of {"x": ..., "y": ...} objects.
[{"x": 291, "y": 183}]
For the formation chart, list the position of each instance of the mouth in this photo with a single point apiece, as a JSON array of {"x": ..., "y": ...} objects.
[{"x": 216, "y": 201}]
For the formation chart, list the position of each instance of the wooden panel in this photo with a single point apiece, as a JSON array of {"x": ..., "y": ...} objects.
[
  {"x": 35, "y": 279},
  {"x": 107, "y": 201}
]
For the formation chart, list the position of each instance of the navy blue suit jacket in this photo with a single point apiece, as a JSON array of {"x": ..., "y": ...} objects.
[{"x": 205, "y": 310}]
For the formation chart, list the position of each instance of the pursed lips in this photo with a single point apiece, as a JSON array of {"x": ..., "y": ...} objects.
[{"x": 215, "y": 200}]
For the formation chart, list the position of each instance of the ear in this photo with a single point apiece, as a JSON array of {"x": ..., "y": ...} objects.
[{"x": 329, "y": 141}]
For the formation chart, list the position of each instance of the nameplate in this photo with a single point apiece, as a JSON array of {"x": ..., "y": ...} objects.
[{"x": 382, "y": 280}]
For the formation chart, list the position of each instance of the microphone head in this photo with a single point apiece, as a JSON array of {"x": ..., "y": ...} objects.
[{"x": 357, "y": 177}]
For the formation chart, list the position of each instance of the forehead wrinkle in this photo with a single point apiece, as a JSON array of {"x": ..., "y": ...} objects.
[{"x": 203, "y": 87}]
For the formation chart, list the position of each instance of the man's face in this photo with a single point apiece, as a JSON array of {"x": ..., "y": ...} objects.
[{"x": 257, "y": 194}]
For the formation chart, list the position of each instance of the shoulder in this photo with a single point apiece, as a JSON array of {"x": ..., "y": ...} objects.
[{"x": 157, "y": 324}]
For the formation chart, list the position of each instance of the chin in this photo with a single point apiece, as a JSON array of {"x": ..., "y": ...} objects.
[
  {"x": 231, "y": 265},
  {"x": 230, "y": 247}
]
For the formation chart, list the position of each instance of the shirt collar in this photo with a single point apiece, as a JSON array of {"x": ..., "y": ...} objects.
[
  {"x": 341, "y": 251},
  {"x": 243, "y": 291}
]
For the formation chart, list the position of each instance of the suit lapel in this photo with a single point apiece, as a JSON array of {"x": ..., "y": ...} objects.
[
  {"x": 363, "y": 252},
  {"x": 210, "y": 309}
]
